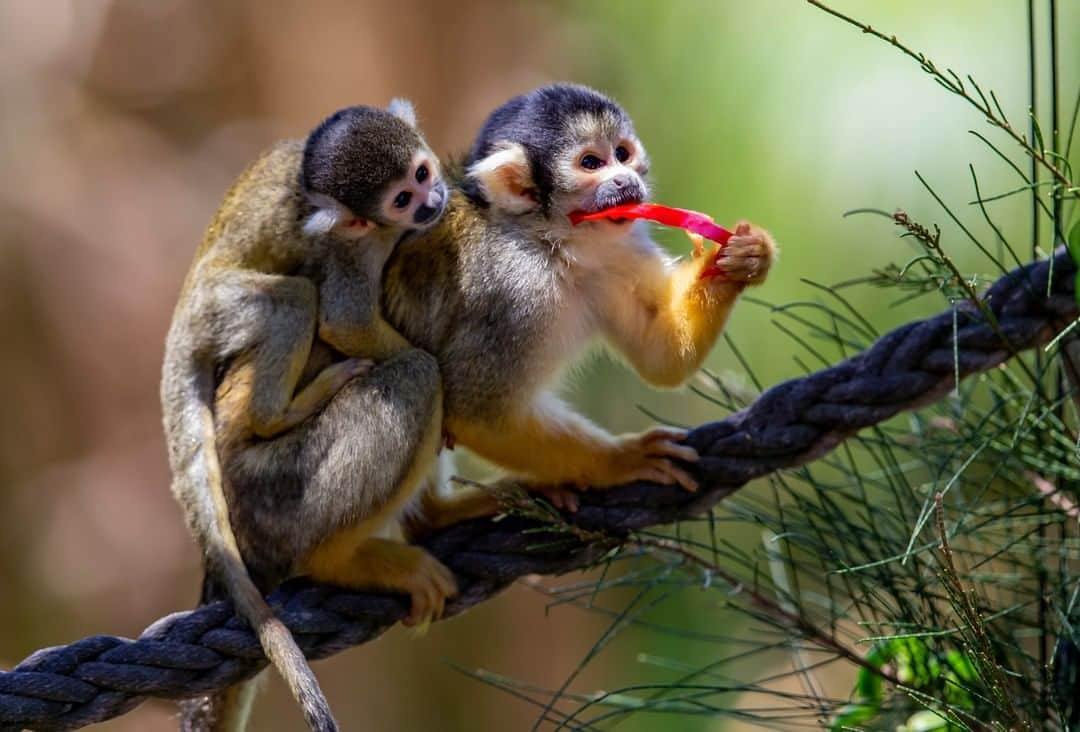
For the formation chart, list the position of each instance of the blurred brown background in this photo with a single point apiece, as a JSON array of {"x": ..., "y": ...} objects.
[{"x": 123, "y": 121}]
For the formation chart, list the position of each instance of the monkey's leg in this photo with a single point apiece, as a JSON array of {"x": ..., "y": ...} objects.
[
  {"x": 439, "y": 509},
  {"x": 551, "y": 444},
  {"x": 274, "y": 342},
  {"x": 349, "y": 317},
  {"x": 438, "y": 506},
  {"x": 306, "y": 487},
  {"x": 359, "y": 461}
]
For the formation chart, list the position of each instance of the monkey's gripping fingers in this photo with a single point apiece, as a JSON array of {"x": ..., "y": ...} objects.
[
  {"x": 745, "y": 259},
  {"x": 356, "y": 367},
  {"x": 650, "y": 456},
  {"x": 325, "y": 387},
  {"x": 329, "y": 382},
  {"x": 699, "y": 244},
  {"x": 388, "y": 565},
  {"x": 429, "y": 584},
  {"x": 562, "y": 497}
]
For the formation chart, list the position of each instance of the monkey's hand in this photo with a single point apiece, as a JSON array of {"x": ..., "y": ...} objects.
[
  {"x": 307, "y": 402},
  {"x": 746, "y": 259},
  {"x": 646, "y": 456},
  {"x": 649, "y": 456}
]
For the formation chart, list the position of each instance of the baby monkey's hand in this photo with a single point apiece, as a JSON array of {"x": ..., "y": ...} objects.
[{"x": 745, "y": 259}]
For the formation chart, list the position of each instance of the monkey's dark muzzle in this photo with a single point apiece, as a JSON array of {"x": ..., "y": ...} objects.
[
  {"x": 425, "y": 213},
  {"x": 432, "y": 207},
  {"x": 619, "y": 191}
]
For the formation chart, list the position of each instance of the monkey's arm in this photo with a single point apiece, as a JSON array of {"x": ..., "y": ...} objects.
[
  {"x": 269, "y": 321},
  {"x": 349, "y": 316},
  {"x": 665, "y": 318},
  {"x": 549, "y": 443},
  {"x": 377, "y": 340}
]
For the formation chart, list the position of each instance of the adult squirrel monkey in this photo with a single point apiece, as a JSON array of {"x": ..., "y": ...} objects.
[
  {"x": 296, "y": 250},
  {"x": 503, "y": 291}
]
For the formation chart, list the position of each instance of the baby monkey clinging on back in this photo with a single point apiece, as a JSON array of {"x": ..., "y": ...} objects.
[
  {"x": 297, "y": 248},
  {"x": 503, "y": 291}
]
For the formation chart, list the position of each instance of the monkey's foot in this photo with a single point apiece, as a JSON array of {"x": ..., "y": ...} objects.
[
  {"x": 745, "y": 259},
  {"x": 430, "y": 584},
  {"x": 650, "y": 455},
  {"x": 388, "y": 565}
]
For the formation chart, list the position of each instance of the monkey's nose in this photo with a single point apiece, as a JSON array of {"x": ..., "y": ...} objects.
[
  {"x": 621, "y": 180},
  {"x": 435, "y": 197}
]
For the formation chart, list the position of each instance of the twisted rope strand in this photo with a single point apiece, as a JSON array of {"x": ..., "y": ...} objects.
[{"x": 191, "y": 653}]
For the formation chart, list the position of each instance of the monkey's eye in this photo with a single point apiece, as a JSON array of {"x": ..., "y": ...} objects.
[
  {"x": 421, "y": 174},
  {"x": 402, "y": 199},
  {"x": 591, "y": 162},
  {"x": 622, "y": 154}
]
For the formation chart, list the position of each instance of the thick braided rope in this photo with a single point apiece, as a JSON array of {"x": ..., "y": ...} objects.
[{"x": 195, "y": 652}]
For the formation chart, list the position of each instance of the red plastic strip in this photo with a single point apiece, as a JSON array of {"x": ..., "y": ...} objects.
[{"x": 681, "y": 218}]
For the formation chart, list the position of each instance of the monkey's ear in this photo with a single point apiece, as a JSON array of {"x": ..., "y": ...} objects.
[
  {"x": 403, "y": 109},
  {"x": 505, "y": 177},
  {"x": 332, "y": 215}
]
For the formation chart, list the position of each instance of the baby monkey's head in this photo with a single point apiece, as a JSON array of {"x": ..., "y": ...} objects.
[
  {"x": 558, "y": 149},
  {"x": 365, "y": 168}
]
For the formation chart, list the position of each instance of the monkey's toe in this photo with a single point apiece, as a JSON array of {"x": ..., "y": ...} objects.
[
  {"x": 675, "y": 474},
  {"x": 664, "y": 433},
  {"x": 561, "y": 497},
  {"x": 430, "y": 586},
  {"x": 665, "y": 472}
]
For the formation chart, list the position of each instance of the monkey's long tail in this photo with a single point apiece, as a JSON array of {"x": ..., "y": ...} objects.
[{"x": 277, "y": 642}]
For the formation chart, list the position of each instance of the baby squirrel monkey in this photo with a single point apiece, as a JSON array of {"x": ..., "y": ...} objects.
[
  {"x": 502, "y": 290},
  {"x": 333, "y": 207}
]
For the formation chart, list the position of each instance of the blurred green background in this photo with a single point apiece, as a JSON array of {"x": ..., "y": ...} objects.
[{"x": 123, "y": 121}]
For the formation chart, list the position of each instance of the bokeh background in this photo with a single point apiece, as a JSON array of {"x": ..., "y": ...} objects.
[{"x": 123, "y": 121}]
